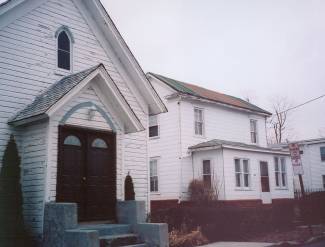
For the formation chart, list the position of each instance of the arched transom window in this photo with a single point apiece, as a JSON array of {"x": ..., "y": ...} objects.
[{"x": 64, "y": 50}]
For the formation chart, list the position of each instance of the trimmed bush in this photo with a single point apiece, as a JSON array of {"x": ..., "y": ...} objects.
[
  {"x": 129, "y": 189},
  {"x": 12, "y": 230}
]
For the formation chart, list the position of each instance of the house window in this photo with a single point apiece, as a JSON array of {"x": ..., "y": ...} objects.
[
  {"x": 154, "y": 175},
  {"x": 323, "y": 176},
  {"x": 253, "y": 126},
  {"x": 198, "y": 121},
  {"x": 153, "y": 126},
  {"x": 322, "y": 153},
  {"x": 242, "y": 173},
  {"x": 64, "y": 51},
  {"x": 280, "y": 172},
  {"x": 207, "y": 173}
]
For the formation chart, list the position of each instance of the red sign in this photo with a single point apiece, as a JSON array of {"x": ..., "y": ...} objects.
[{"x": 296, "y": 158}]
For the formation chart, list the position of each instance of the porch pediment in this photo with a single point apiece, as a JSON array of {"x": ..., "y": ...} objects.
[{"x": 56, "y": 96}]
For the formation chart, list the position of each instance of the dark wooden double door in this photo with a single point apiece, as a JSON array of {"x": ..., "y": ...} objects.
[{"x": 87, "y": 172}]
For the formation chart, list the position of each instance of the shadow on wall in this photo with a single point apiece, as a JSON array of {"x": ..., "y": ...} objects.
[{"x": 12, "y": 229}]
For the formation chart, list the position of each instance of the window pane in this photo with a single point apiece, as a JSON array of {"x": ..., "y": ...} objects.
[
  {"x": 277, "y": 179},
  {"x": 245, "y": 166},
  {"x": 253, "y": 126},
  {"x": 284, "y": 179},
  {"x": 237, "y": 165},
  {"x": 153, "y": 168},
  {"x": 153, "y": 120},
  {"x": 322, "y": 153},
  {"x": 72, "y": 141},
  {"x": 238, "y": 179},
  {"x": 63, "y": 59},
  {"x": 153, "y": 131},
  {"x": 253, "y": 137},
  {"x": 246, "y": 180},
  {"x": 64, "y": 42},
  {"x": 323, "y": 181},
  {"x": 206, "y": 167},
  {"x": 154, "y": 184},
  {"x": 99, "y": 143}
]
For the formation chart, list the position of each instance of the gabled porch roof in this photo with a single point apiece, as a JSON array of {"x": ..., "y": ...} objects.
[{"x": 45, "y": 104}]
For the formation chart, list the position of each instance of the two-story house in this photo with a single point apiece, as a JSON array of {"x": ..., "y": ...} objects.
[
  {"x": 77, "y": 103},
  {"x": 216, "y": 138}
]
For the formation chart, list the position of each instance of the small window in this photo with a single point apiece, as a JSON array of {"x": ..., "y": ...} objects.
[
  {"x": 64, "y": 51},
  {"x": 198, "y": 122},
  {"x": 72, "y": 141},
  {"x": 322, "y": 153},
  {"x": 323, "y": 176},
  {"x": 280, "y": 172},
  {"x": 242, "y": 173},
  {"x": 207, "y": 173},
  {"x": 253, "y": 126},
  {"x": 99, "y": 143},
  {"x": 153, "y": 175},
  {"x": 153, "y": 126}
]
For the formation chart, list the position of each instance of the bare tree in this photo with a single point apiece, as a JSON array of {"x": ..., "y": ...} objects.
[{"x": 279, "y": 120}]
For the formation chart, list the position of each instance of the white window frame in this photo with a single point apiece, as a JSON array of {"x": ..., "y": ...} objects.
[
  {"x": 202, "y": 121},
  {"x": 60, "y": 71},
  {"x": 158, "y": 127},
  {"x": 156, "y": 159},
  {"x": 242, "y": 174},
  {"x": 255, "y": 132},
  {"x": 207, "y": 174},
  {"x": 278, "y": 173}
]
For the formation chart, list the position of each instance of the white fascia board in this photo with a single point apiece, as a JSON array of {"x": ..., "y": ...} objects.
[
  {"x": 15, "y": 9},
  {"x": 195, "y": 98},
  {"x": 113, "y": 43}
]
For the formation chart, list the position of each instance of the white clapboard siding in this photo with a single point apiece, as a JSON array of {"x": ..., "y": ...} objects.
[{"x": 28, "y": 67}]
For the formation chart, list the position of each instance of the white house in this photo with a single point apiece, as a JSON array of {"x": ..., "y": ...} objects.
[
  {"x": 215, "y": 137},
  {"x": 77, "y": 102},
  {"x": 312, "y": 154}
]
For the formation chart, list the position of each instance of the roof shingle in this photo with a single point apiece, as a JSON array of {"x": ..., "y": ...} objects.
[
  {"x": 204, "y": 93},
  {"x": 53, "y": 94}
]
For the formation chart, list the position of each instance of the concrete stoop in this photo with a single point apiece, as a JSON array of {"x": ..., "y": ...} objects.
[{"x": 61, "y": 228}]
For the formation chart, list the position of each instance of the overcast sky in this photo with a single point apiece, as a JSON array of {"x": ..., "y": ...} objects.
[{"x": 257, "y": 49}]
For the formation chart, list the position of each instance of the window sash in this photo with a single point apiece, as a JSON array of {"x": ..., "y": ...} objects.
[
  {"x": 153, "y": 126},
  {"x": 253, "y": 131},
  {"x": 323, "y": 181},
  {"x": 280, "y": 171},
  {"x": 198, "y": 121},
  {"x": 153, "y": 175},
  {"x": 242, "y": 173}
]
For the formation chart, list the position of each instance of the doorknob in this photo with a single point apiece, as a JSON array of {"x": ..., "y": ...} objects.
[{"x": 83, "y": 178}]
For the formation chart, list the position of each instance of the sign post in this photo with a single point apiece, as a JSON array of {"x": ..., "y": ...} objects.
[{"x": 297, "y": 164}]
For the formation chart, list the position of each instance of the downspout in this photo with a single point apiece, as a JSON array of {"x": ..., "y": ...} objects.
[
  {"x": 180, "y": 148},
  {"x": 192, "y": 158},
  {"x": 223, "y": 173},
  {"x": 267, "y": 140}
]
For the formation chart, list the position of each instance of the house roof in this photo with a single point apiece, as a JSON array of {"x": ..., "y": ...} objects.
[
  {"x": 53, "y": 94},
  {"x": 217, "y": 143},
  {"x": 194, "y": 90},
  {"x": 301, "y": 142}
]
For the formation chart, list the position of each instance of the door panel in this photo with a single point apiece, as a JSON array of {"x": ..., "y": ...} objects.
[
  {"x": 87, "y": 172},
  {"x": 265, "y": 183}
]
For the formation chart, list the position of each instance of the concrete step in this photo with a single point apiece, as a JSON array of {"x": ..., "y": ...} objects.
[
  {"x": 107, "y": 229},
  {"x": 118, "y": 240},
  {"x": 136, "y": 245}
]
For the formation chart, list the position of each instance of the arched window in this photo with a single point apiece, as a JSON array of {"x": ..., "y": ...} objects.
[
  {"x": 72, "y": 141},
  {"x": 64, "y": 51},
  {"x": 99, "y": 143}
]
